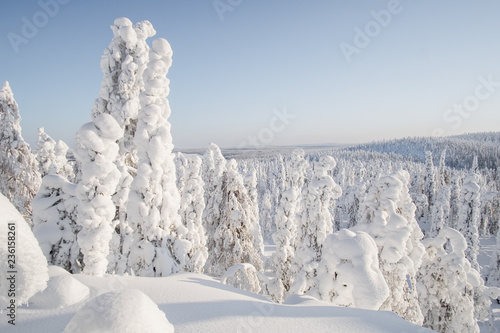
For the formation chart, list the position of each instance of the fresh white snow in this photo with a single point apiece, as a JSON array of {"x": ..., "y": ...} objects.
[{"x": 197, "y": 303}]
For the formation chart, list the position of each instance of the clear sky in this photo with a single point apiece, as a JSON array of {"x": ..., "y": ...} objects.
[{"x": 279, "y": 72}]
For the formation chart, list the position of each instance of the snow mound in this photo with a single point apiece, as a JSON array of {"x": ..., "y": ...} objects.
[
  {"x": 122, "y": 311},
  {"x": 62, "y": 291},
  {"x": 28, "y": 261},
  {"x": 57, "y": 271}
]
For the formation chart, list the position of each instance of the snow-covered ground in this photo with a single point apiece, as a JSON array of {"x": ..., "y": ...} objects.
[{"x": 198, "y": 303}]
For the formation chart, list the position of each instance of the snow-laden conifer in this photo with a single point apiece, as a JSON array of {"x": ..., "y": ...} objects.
[
  {"x": 388, "y": 215},
  {"x": 233, "y": 237},
  {"x": 159, "y": 247},
  {"x": 190, "y": 187},
  {"x": 54, "y": 221},
  {"x": 19, "y": 176},
  {"x": 315, "y": 224},
  {"x": 96, "y": 149}
]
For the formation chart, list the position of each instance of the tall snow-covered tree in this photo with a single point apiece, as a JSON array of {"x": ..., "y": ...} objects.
[
  {"x": 285, "y": 236},
  {"x": 96, "y": 149},
  {"x": 493, "y": 273},
  {"x": 266, "y": 215},
  {"x": 316, "y": 223},
  {"x": 190, "y": 187},
  {"x": 443, "y": 178},
  {"x": 454, "y": 201},
  {"x": 19, "y": 179},
  {"x": 250, "y": 181},
  {"x": 468, "y": 217},
  {"x": 440, "y": 212},
  {"x": 388, "y": 215},
  {"x": 213, "y": 167},
  {"x": 445, "y": 294},
  {"x": 233, "y": 236},
  {"x": 54, "y": 221},
  {"x": 429, "y": 187},
  {"x": 123, "y": 64},
  {"x": 286, "y": 231},
  {"x": 159, "y": 247}
]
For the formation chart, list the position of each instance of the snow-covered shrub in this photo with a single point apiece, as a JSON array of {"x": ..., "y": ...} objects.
[
  {"x": 242, "y": 276},
  {"x": 96, "y": 149},
  {"x": 388, "y": 216},
  {"x": 316, "y": 223},
  {"x": 19, "y": 176},
  {"x": 54, "y": 221},
  {"x": 445, "y": 294},
  {"x": 349, "y": 274},
  {"x": 122, "y": 311},
  {"x": 62, "y": 291},
  {"x": 190, "y": 187},
  {"x": 28, "y": 260}
]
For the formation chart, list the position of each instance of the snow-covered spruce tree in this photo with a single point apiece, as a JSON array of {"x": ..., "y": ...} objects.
[
  {"x": 233, "y": 237},
  {"x": 54, "y": 221},
  {"x": 445, "y": 294},
  {"x": 348, "y": 273},
  {"x": 123, "y": 63},
  {"x": 286, "y": 219},
  {"x": 213, "y": 167},
  {"x": 250, "y": 182},
  {"x": 45, "y": 153},
  {"x": 159, "y": 247},
  {"x": 493, "y": 273},
  {"x": 266, "y": 215},
  {"x": 96, "y": 149},
  {"x": 388, "y": 215},
  {"x": 429, "y": 188},
  {"x": 286, "y": 230},
  {"x": 19, "y": 178},
  {"x": 51, "y": 156},
  {"x": 190, "y": 187},
  {"x": 468, "y": 217},
  {"x": 443, "y": 177},
  {"x": 315, "y": 224},
  {"x": 454, "y": 201},
  {"x": 440, "y": 212}
]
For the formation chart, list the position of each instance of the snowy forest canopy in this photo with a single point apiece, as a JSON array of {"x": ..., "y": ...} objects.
[{"x": 390, "y": 225}]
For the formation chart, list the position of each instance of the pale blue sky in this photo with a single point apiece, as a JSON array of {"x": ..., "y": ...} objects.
[{"x": 229, "y": 75}]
